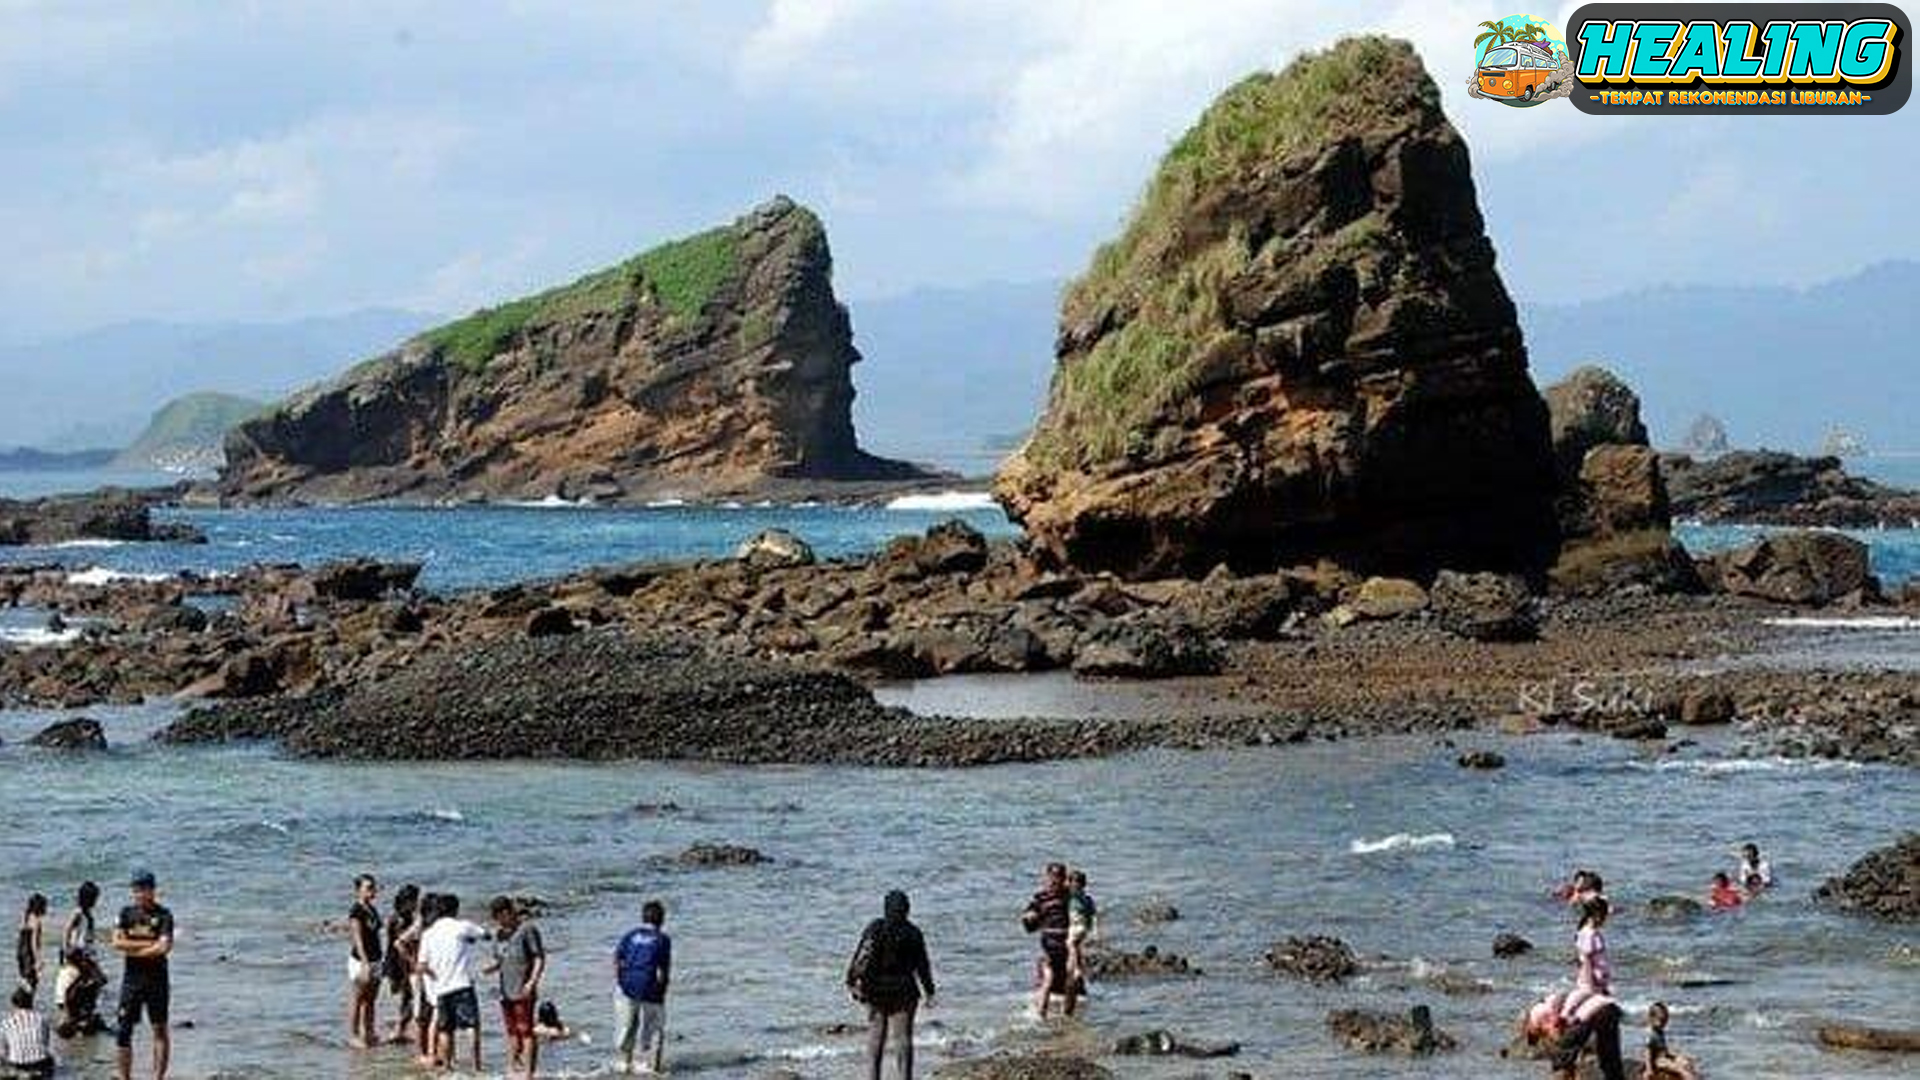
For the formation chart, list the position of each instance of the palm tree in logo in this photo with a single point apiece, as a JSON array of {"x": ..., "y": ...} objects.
[{"x": 1497, "y": 34}]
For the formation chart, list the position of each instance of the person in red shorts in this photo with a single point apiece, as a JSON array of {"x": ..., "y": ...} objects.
[{"x": 521, "y": 959}]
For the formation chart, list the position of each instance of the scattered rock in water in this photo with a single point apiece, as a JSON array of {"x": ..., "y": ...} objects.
[
  {"x": 1636, "y": 728},
  {"x": 1317, "y": 959},
  {"x": 1805, "y": 568},
  {"x": 773, "y": 549},
  {"x": 1023, "y": 1067},
  {"x": 951, "y": 547},
  {"x": 1482, "y": 759},
  {"x": 1156, "y": 913},
  {"x": 1149, "y": 962},
  {"x": 1485, "y": 607},
  {"x": 1369, "y": 1032},
  {"x": 1884, "y": 884},
  {"x": 106, "y": 514},
  {"x": 80, "y": 733},
  {"x": 656, "y": 809},
  {"x": 1674, "y": 908},
  {"x": 1839, "y": 1036},
  {"x": 707, "y": 855},
  {"x": 1506, "y": 946},
  {"x": 1167, "y": 1044}
]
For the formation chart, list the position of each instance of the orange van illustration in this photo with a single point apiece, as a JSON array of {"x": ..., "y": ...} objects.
[{"x": 1518, "y": 69}]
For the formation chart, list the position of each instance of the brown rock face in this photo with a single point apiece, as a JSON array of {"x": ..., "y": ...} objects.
[
  {"x": 718, "y": 364},
  {"x": 1298, "y": 349}
]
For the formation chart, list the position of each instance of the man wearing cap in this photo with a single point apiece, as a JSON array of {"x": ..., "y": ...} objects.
[{"x": 144, "y": 935}]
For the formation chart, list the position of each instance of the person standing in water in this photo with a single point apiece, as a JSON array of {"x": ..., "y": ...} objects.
[
  {"x": 520, "y": 957},
  {"x": 403, "y": 947},
  {"x": 144, "y": 936},
  {"x": 449, "y": 957},
  {"x": 642, "y": 968},
  {"x": 888, "y": 974},
  {"x": 1083, "y": 924},
  {"x": 32, "y": 942},
  {"x": 363, "y": 963},
  {"x": 1047, "y": 915}
]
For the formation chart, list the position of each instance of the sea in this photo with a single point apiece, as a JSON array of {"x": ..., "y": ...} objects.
[{"x": 1383, "y": 842}]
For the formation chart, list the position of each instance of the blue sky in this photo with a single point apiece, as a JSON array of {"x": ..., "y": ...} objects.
[{"x": 256, "y": 160}]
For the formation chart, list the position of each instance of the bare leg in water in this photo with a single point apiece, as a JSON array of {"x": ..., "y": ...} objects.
[{"x": 895, "y": 1028}]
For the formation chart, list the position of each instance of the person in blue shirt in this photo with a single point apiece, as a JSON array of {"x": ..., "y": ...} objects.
[{"x": 642, "y": 966}]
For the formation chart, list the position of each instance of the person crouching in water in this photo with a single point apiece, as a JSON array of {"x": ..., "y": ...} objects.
[
  {"x": 889, "y": 974},
  {"x": 1046, "y": 914},
  {"x": 1756, "y": 873},
  {"x": 77, "y": 991},
  {"x": 1662, "y": 1063},
  {"x": 1723, "y": 896}
]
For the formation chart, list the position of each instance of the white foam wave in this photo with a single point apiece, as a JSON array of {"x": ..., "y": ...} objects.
[
  {"x": 1857, "y": 622},
  {"x": 945, "y": 500},
  {"x": 1721, "y": 766},
  {"x": 666, "y": 504},
  {"x": 33, "y": 637},
  {"x": 100, "y": 575},
  {"x": 90, "y": 542},
  {"x": 445, "y": 813},
  {"x": 1403, "y": 842},
  {"x": 550, "y": 502}
]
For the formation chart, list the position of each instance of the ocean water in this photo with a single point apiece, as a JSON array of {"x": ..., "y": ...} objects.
[
  {"x": 1385, "y": 843},
  {"x": 472, "y": 546}
]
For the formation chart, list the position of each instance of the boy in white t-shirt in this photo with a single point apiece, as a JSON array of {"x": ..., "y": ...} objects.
[{"x": 450, "y": 959}]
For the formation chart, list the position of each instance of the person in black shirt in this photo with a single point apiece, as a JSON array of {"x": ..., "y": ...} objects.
[
  {"x": 888, "y": 974},
  {"x": 144, "y": 936},
  {"x": 363, "y": 963},
  {"x": 1048, "y": 915}
]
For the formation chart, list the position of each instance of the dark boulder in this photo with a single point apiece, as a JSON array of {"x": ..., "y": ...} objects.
[
  {"x": 80, "y": 733},
  {"x": 951, "y": 547},
  {"x": 1884, "y": 884},
  {"x": 363, "y": 579},
  {"x": 1589, "y": 408},
  {"x": 774, "y": 549},
  {"x": 1485, "y": 607},
  {"x": 1506, "y": 946},
  {"x": 1842, "y": 1036},
  {"x": 1149, "y": 962},
  {"x": 710, "y": 855},
  {"x": 1674, "y": 909},
  {"x": 1369, "y": 1032},
  {"x": 1023, "y": 1067},
  {"x": 1317, "y": 959},
  {"x": 1482, "y": 759},
  {"x": 1806, "y": 568},
  {"x": 1147, "y": 646},
  {"x": 550, "y": 622}
]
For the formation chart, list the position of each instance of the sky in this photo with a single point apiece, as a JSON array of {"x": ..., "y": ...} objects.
[{"x": 270, "y": 160}]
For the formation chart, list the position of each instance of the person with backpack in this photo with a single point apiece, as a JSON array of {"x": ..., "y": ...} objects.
[
  {"x": 642, "y": 967},
  {"x": 889, "y": 974}
]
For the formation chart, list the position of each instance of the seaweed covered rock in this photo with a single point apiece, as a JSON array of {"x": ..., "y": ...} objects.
[
  {"x": 1299, "y": 348},
  {"x": 719, "y": 363},
  {"x": 1885, "y": 884}
]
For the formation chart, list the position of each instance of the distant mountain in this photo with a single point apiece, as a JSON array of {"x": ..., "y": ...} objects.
[
  {"x": 953, "y": 376},
  {"x": 185, "y": 435},
  {"x": 1780, "y": 366},
  {"x": 27, "y": 459},
  {"x": 99, "y": 388}
]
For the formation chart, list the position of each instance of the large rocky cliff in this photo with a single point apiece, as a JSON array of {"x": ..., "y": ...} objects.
[
  {"x": 1299, "y": 348},
  {"x": 714, "y": 365}
]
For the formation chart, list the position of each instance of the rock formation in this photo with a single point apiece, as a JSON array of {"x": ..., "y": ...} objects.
[
  {"x": 1612, "y": 504},
  {"x": 1884, "y": 884},
  {"x": 1772, "y": 488},
  {"x": 1298, "y": 348},
  {"x": 717, "y": 364},
  {"x": 106, "y": 514}
]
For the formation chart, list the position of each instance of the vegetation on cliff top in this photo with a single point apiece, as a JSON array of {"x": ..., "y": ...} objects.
[
  {"x": 1163, "y": 283},
  {"x": 679, "y": 277},
  {"x": 192, "y": 422}
]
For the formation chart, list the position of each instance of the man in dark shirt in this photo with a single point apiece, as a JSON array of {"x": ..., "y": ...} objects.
[
  {"x": 144, "y": 936},
  {"x": 1047, "y": 914}
]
